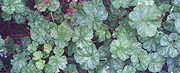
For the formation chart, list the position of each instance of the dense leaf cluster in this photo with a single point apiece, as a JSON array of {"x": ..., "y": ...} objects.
[{"x": 132, "y": 36}]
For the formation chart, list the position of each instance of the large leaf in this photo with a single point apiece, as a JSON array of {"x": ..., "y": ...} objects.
[
  {"x": 120, "y": 48},
  {"x": 62, "y": 34},
  {"x": 11, "y": 6},
  {"x": 30, "y": 68},
  {"x": 118, "y": 3},
  {"x": 57, "y": 62},
  {"x": 7, "y": 17},
  {"x": 164, "y": 8},
  {"x": 168, "y": 45},
  {"x": 47, "y": 26},
  {"x": 170, "y": 21},
  {"x": 71, "y": 68},
  {"x": 82, "y": 37},
  {"x": 146, "y": 19},
  {"x": 20, "y": 17},
  {"x": 127, "y": 69},
  {"x": 54, "y": 5},
  {"x": 140, "y": 57},
  {"x": 88, "y": 57},
  {"x": 156, "y": 63},
  {"x": 91, "y": 19},
  {"x": 18, "y": 62}
]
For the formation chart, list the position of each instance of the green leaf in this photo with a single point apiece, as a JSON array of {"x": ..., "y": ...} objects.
[
  {"x": 1, "y": 64},
  {"x": 1, "y": 41},
  {"x": 82, "y": 37},
  {"x": 7, "y": 17},
  {"x": 91, "y": 19},
  {"x": 54, "y": 5},
  {"x": 40, "y": 64},
  {"x": 47, "y": 26},
  {"x": 103, "y": 68},
  {"x": 9, "y": 44},
  {"x": 20, "y": 17},
  {"x": 103, "y": 34},
  {"x": 164, "y": 8},
  {"x": 127, "y": 69},
  {"x": 57, "y": 62},
  {"x": 38, "y": 35},
  {"x": 71, "y": 68},
  {"x": 120, "y": 12},
  {"x": 176, "y": 2},
  {"x": 177, "y": 25},
  {"x": 172, "y": 63},
  {"x": 25, "y": 41},
  {"x": 30, "y": 68},
  {"x": 11, "y": 6},
  {"x": 17, "y": 48},
  {"x": 118, "y": 3},
  {"x": 145, "y": 18},
  {"x": 18, "y": 62},
  {"x": 104, "y": 51},
  {"x": 170, "y": 21},
  {"x": 88, "y": 57},
  {"x": 156, "y": 63},
  {"x": 41, "y": 6},
  {"x": 37, "y": 55},
  {"x": 116, "y": 63},
  {"x": 140, "y": 57},
  {"x": 34, "y": 18},
  {"x": 32, "y": 47},
  {"x": 141, "y": 2},
  {"x": 120, "y": 48},
  {"x": 47, "y": 48},
  {"x": 168, "y": 45},
  {"x": 58, "y": 51},
  {"x": 71, "y": 48},
  {"x": 49, "y": 68}
]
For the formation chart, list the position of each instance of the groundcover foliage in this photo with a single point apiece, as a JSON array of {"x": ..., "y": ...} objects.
[{"x": 122, "y": 36}]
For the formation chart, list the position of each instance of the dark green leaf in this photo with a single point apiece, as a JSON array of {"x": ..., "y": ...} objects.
[
  {"x": 17, "y": 48},
  {"x": 127, "y": 69},
  {"x": 25, "y": 41},
  {"x": 7, "y": 17},
  {"x": 1, "y": 41},
  {"x": 9, "y": 44},
  {"x": 71, "y": 68},
  {"x": 1, "y": 64},
  {"x": 30, "y": 68},
  {"x": 71, "y": 48}
]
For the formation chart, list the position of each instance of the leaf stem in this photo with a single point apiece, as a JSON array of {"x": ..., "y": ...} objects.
[
  {"x": 12, "y": 53},
  {"x": 108, "y": 26},
  {"x": 52, "y": 16},
  {"x": 21, "y": 35},
  {"x": 25, "y": 29},
  {"x": 45, "y": 41}
]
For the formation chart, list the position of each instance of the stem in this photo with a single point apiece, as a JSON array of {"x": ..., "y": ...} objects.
[
  {"x": 25, "y": 29},
  {"x": 52, "y": 17},
  {"x": 12, "y": 53},
  {"x": 45, "y": 41},
  {"x": 2, "y": 29},
  {"x": 108, "y": 26},
  {"x": 28, "y": 55},
  {"x": 21, "y": 35}
]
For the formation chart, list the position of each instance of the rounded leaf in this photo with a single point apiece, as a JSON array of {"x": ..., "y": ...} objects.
[
  {"x": 54, "y": 5},
  {"x": 40, "y": 64},
  {"x": 7, "y": 17},
  {"x": 47, "y": 48},
  {"x": 37, "y": 55},
  {"x": 118, "y": 3},
  {"x": 58, "y": 51}
]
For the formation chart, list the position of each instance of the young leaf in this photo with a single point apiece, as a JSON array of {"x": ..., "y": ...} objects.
[
  {"x": 88, "y": 57},
  {"x": 156, "y": 63},
  {"x": 7, "y": 17},
  {"x": 120, "y": 48},
  {"x": 82, "y": 37},
  {"x": 37, "y": 55},
  {"x": 32, "y": 47},
  {"x": 54, "y": 5},
  {"x": 40, "y": 64},
  {"x": 103, "y": 34},
  {"x": 91, "y": 19},
  {"x": 1, "y": 41},
  {"x": 62, "y": 34},
  {"x": 71, "y": 68},
  {"x": 11, "y": 6},
  {"x": 30, "y": 68},
  {"x": 18, "y": 62},
  {"x": 47, "y": 48},
  {"x": 127, "y": 69},
  {"x": 145, "y": 19},
  {"x": 57, "y": 62},
  {"x": 118, "y": 3},
  {"x": 58, "y": 51}
]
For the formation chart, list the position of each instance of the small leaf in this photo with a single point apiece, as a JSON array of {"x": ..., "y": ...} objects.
[
  {"x": 88, "y": 57},
  {"x": 9, "y": 44},
  {"x": 54, "y": 5},
  {"x": 25, "y": 41},
  {"x": 17, "y": 48},
  {"x": 1, "y": 64},
  {"x": 40, "y": 64},
  {"x": 47, "y": 48},
  {"x": 18, "y": 62},
  {"x": 57, "y": 62},
  {"x": 118, "y": 3},
  {"x": 71, "y": 68},
  {"x": 32, "y": 47},
  {"x": 7, "y": 17},
  {"x": 37, "y": 55},
  {"x": 58, "y": 51}
]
